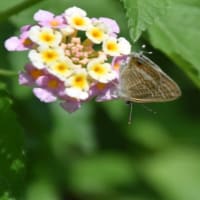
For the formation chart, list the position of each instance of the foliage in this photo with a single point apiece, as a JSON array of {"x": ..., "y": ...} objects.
[{"x": 46, "y": 153}]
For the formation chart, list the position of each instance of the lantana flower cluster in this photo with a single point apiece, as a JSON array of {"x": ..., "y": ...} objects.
[{"x": 72, "y": 58}]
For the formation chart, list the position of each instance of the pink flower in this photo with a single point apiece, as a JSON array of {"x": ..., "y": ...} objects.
[
  {"x": 49, "y": 87},
  {"x": 20, "y": 43},
  {"x": 51, "y": 83},
  {"x": 110, "y": 23},
  {"x": 48, "y": 19},
  {"x": 71, "y": 105},
  {"x": 30, "y": 75},
  {"x": 44, "y": 95},
  {"x": 113, "y": 26},
  {"x": 117, "y": 62},
  {"x": 104, "y": 92},
  {"x": 72, "y": 57}
]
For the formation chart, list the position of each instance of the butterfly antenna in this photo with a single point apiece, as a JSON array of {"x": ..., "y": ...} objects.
[
  {"x": 130, "y": 113},
  {"x": 145, "y": 52},
  {"x": 144, "y": 46}
]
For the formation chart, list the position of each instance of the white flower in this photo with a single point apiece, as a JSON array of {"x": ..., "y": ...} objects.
[
  {"x": 77, "y": 18},
  {"x": 68, "y": 30},
  {"x": 77, "y": 86},
  {"x": 75, "y": 10},
  {"x": 96, "y": 34},
  {"x": 77, "y": 93},
  {"x": 36, "y": 60},
  {"x": 78, "y": 22},
  {"x": 62, "y": 68},
  {"x": 101, "y": 72},
  {"x": 115, "y": 47},
  {"x": 124, "y": 46},
  {"x": 111, "y": 47},
  {"x": 43, "y": 57},
  {"x": 45, "y": 36}
]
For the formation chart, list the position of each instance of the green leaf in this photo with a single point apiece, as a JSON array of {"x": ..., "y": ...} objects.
[
  {"x": 6, "y": 196},
  {"x": 177, "y": 34},
  {"x": 155, "y": 138},
  {"x": 142, "y": 13},
  {"x": 9, "y": 4},
  {"x": 26, "y": 17},
  {"x": 2, "y": 86},
  {"x": 101, "y": 173},
  {"x": 175, "y": 174},
  {"x": 42, "y": 188},
  {"x": 16, "y": 9},
  {"x": 11, "y": 149},
  {"x": 72, "y": 133}
]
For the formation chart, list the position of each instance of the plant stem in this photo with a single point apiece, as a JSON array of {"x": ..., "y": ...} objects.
[
  {"x": 4, "y": 72},
  {"x": 16, "y": 9}
]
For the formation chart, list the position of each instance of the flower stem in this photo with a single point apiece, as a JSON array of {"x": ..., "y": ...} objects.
[
  {"x": 4, "y": 72},
  {"x": 18, "y": 8}
]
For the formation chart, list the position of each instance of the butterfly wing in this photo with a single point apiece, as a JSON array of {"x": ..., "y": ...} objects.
[{"x": 141, "y": 80}]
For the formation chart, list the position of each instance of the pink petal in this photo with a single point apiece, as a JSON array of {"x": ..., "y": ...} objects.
[
  {"x": 44, "y": 95},
  {"x": 109, "y": 94},
  {"x": 29, "y": 67},
  {"x": 71, "y": 106},
  {"x": 61, "y": 20},
  {"x": 117, "y": 62},
  {"x": 42, "y": 81},
  {"x": 110, "y": 23},
  {"x": 43, "y": 15},
  {"x": 12, "y": 43},
  {"x": 25, "y": 28},
  {"x": 15, "y": 44},
  {"x": 119, "y": 59},
  {"x": 24, "y": 35},
  {"x": 25, "y": 79}
]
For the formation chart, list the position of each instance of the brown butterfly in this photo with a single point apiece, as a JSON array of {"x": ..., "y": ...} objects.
[{"x": 142, "y": 81}]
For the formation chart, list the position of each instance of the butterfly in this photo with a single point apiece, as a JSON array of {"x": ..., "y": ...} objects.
[{"x": 143, "y": 81}]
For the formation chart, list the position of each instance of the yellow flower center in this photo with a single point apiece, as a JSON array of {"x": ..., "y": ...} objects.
[
  {"x": 53, "y": 84},
  {"x": 80, "y": 81},
  {"x": 99, "y": 69},
  {"x": 35, "y": 73},
  {"x": 49, "y": 55},
  {"x": 47, "y": 37},
  {"x": 112, "y": 46},
  {"x": 61, "y": 68},
  {"x": 97, "y": 33},
  {"x": 100, "y": 86},
  {"x": 78, "y": 21},
  {"x": 54, "y": 22},
  {"x": 27, "y": 42},
  {"x": 116, "y": 66}
]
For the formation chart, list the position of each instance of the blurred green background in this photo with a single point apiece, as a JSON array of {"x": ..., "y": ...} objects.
[{"x": 93, "y": 154}]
